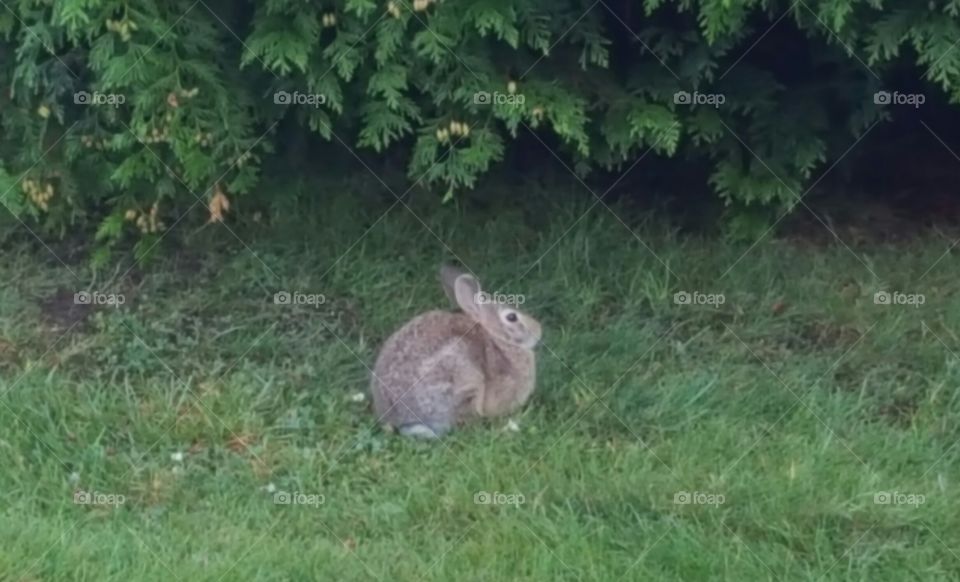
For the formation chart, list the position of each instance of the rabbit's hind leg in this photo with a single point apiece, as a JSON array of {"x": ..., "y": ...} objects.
[
  {"x": 430, "y": 418},
  {"x": 422, "y": 431}
]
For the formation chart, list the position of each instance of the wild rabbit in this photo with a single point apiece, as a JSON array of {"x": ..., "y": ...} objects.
[{"x": 442, "y": 369}]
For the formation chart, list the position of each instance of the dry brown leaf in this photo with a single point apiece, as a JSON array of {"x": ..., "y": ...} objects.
[
  {"x": 240, "y": 443},
  {"x": 219, "y": 204}
]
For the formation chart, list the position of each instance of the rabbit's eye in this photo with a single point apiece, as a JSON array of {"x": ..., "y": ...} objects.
[{"x": 511, "y": 317}]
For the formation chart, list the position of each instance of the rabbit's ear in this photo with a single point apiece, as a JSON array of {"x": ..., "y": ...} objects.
[
  {"x": 466, "y": 289},
  {"x": 448, "y": 278}
]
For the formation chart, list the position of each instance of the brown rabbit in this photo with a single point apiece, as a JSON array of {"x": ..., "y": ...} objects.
[{"x": 442, "y": 369}]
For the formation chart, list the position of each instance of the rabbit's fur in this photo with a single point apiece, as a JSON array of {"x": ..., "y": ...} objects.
[{"x": 442, "y": 369}]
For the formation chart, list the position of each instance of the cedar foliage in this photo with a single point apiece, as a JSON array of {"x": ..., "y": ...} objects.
[{"x": 129, "y": 114}]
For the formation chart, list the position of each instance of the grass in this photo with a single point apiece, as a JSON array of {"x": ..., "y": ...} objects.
[{"x": 795, "y": 403}]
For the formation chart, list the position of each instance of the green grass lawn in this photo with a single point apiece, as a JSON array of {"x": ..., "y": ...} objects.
[{"x": 782, "y": 413}]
